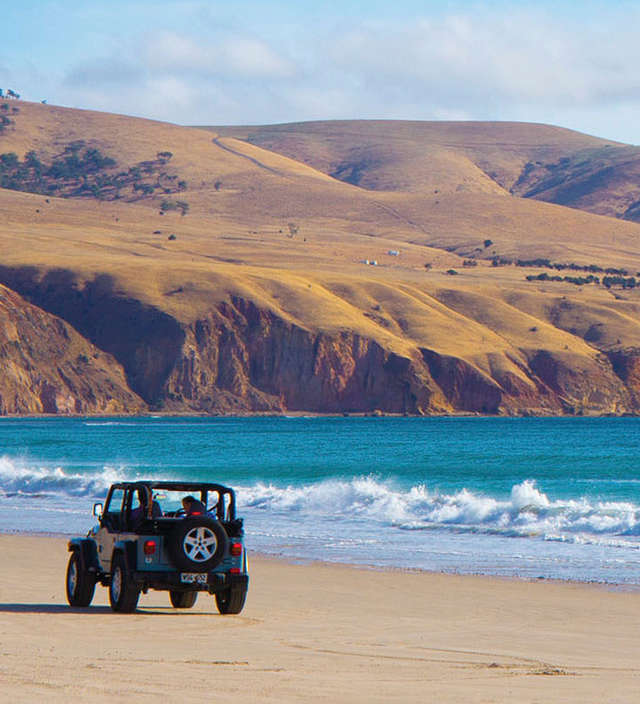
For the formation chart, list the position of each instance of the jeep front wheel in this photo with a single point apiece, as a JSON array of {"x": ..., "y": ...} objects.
[
  {"x": 80, "y": 584},
  {"x": 123, "y": 592},
  {"x": 183, "y": 600}
]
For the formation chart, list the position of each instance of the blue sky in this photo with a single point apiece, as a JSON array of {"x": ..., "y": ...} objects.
[{"x": 573, "y": 64}]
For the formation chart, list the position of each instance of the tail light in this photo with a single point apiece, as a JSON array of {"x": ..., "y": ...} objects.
[
  {"x": 236, "y": 549},
  {"x": 149, "y": 547}
]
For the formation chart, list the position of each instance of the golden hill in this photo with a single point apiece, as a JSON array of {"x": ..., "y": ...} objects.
[
  {"x": 533, "y": 161},
  {"x": 325, "y": 267},
  {"x": 408, "y": 156}
]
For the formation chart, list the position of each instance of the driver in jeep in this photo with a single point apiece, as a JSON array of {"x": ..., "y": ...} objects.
[{"x": 193, "y": 507}]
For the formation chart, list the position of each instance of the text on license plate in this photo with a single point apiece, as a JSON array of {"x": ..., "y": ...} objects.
[{"x": 193, "y": 577}]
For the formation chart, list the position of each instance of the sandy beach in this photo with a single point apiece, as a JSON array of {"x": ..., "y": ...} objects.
[{"x": 317, "y": 633}]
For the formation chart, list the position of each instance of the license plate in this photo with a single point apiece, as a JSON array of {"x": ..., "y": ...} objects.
[{"x": 193, "y": 577}]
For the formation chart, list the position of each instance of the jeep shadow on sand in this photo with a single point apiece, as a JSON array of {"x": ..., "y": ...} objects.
[{"x": 180, "y": 537}]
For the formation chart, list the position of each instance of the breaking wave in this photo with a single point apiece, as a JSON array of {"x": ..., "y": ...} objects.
[
  {"x": 528, "y": 512},
  {"x": 21, "y": 478},
  {"x": 368, "y": 501}
]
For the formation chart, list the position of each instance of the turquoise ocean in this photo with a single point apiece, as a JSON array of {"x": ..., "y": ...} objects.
[{"x": 554, "y": 498}]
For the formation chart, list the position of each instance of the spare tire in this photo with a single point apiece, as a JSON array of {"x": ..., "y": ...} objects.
[{"x": 197, "y": 544}]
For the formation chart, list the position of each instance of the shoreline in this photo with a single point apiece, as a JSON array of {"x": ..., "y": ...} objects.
[
  {"x": 309, "y": 562},
  {"x": 309, "y": 414},
  {"x": 320, "y": 633},
  {"x": 439, "y": 496}
]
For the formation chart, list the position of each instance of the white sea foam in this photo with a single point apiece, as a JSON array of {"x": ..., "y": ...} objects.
[
  {"x": 108, "y": 423},
  {"x": 24, "y": 478},
  {"x": 370, "y": 502},
  {"x": 528, "y": 512}
]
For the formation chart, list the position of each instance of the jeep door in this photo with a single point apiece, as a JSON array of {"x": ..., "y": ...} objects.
[{"x": 111, "y": 525}]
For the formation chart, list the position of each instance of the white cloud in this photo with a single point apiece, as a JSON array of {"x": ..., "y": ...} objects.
[
  {"x": 238, "y": 57},
  {"x": 250, "y": 57},
  {"x": 473, "y": 60}
]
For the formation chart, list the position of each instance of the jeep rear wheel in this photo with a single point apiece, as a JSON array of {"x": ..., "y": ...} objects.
[
  {"x": 123, "y": 592},
  {"x": 197, "y": 544},
  {"x": 231, "y": 601},
  {"x": 80, "y": 584},
  {"x": 183, "y": 600}
]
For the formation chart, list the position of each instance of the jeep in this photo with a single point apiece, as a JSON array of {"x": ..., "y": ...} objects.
[{"x": 180, "y": 537}]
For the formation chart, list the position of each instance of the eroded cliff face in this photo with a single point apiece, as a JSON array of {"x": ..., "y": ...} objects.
[
  {"x": 626, "y": 363},
  {"x": 241, "y": 358},
  {"x": 244, "y": 358},
  {"x": 47, "y": 367}
]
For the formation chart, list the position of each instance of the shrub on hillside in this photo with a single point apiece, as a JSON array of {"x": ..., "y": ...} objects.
[{"x": 84, "y": 171}]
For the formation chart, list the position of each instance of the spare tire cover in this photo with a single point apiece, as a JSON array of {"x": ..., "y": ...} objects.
[{"x": 197, "y": 544}]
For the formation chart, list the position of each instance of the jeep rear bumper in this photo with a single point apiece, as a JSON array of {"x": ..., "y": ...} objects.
[{"x": 170, "y": 581}]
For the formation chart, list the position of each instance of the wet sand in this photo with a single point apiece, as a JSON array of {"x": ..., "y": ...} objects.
[{"x": 317, "y": 633}]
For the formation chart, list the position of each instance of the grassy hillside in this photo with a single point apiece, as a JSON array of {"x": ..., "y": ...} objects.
[
  {"x": 532, "y": 161},
  {"x": 353, "y": 256}
]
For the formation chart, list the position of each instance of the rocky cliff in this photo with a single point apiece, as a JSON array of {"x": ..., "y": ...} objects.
[
  {"x": 242, "y": 358},
  {"x": 95, "y": 352},
  {"x": 47, "y": 367}
]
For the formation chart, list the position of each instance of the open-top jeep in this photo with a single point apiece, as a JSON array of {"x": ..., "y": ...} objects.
[{"x": 180, "y": 537}]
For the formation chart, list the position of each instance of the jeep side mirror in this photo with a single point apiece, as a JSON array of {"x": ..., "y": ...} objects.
[{"x": 97, "y": 510}]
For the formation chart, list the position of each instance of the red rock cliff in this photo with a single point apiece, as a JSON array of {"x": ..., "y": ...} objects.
[
  {"x": 47, "y": 367},
  {"x": 243, "y": 358}
]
